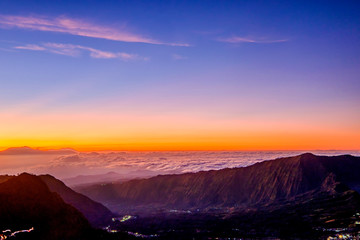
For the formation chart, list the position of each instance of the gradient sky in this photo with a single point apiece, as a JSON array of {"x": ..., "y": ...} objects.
[{"x": 180, "y": 75}]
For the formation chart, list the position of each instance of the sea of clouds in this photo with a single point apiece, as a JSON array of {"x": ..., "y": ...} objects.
[{"x": 140, "y": 164}]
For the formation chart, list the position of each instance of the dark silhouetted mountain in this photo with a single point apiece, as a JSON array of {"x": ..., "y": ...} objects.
[
  {"x": 260, "y": 184},
  {"x": 309, "y": 216},
  {"x": 331, "y": 205},
  {"x": 26, "y": 202},
  {"x": 4, "y": 178},
  {"x": 96, "y": 213}
]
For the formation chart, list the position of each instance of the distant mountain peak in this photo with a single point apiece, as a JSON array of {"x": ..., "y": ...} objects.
[
  {"x": 20, "y": 150},
  {"x": 25, "y": 150}
]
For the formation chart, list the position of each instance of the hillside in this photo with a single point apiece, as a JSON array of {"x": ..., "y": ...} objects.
[
  {"x": 262, "y": 183},
  {"x": 26, "y": 202},
  {"x": 96, "y": 213}
]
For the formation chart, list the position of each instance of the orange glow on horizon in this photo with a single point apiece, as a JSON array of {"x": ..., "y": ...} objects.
[
  {"x": 174, "y": 132},
  {"x": 210, "y": 143}
]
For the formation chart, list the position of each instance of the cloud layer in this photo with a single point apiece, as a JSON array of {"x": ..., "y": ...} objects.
[
  {"x": 76, "y": 27},
  {"x": 76, "y": 50},
  {"x": 139, "y": 164},
  {"x": 238, "y": 39}
]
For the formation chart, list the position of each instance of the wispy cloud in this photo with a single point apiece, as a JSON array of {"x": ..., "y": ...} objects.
[
  {"x": 76, "y": 50},
  {"x": 178, "y": 57},
  {"x": 33, "y": 47},
  {"x": 237, "y": 39},
  {"x": 76, "y": 27}
]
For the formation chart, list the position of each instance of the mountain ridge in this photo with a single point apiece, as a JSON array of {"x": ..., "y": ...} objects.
[
  {"x": 27, "y": 202},
  {"x": 261, "y": 183},
  {"x": 96, "y": 213}
]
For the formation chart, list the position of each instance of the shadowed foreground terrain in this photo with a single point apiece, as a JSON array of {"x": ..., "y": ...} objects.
[
  {"x": 26, "y": 202},
  {"x": 303, "y": 197},
  {"x": 35, "y": 204}
]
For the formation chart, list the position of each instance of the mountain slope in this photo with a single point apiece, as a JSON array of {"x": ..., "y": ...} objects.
[
  {"x": 26, "y": 202},
  {"x": 305, "y": 217},
  {"x": 96, "y": 213},
  {"x": 261, "y": 183},
  {"x": 107, "y": 177}
]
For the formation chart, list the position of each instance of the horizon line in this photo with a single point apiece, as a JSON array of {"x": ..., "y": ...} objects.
[{"x": 45, "y": 149}]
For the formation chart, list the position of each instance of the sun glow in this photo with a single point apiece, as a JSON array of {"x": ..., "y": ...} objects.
[{"x": 96, "y": 132}]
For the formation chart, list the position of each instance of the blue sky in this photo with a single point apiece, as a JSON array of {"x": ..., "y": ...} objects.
[{"x": 239, "y": 60}]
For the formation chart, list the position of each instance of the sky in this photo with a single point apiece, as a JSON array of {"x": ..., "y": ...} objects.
[{"x": 180, "y": 75}]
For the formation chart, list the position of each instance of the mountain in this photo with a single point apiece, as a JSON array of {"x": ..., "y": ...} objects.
[
  {"x": 96, "y": 213},
  {"x": 107, "y": 177},
  {"x": 260, "y": 184},
  {"x": 4, "y": 178},
  {"x": 318, "y": 214},
  {"x": 92, "y": 179},
  {"x": 331, "y": 206},
  {"x": 300, "y": 197},
  {"x": 30, "y": 151},
  {"x": 26, "y": 202}
]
